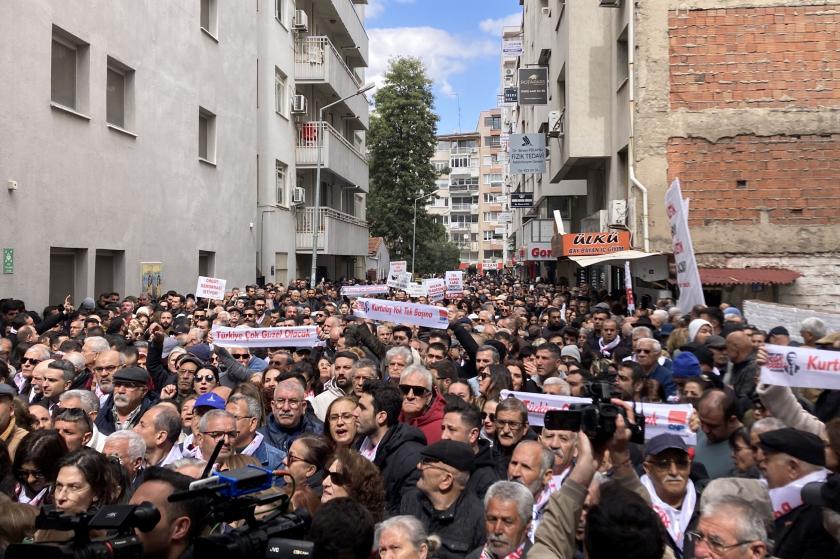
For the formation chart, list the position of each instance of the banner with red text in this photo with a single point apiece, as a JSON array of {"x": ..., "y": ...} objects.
[
  {"x": 801, "y": 366},
  {"x": 435, "y": 288},
  {"x": 454, "y": 283},
  {"x": 210, "y": 288},
  {"x": 411, "y": 314},
  {"x": 659, "y": 418},
  {"x": 293, "y": 336}
]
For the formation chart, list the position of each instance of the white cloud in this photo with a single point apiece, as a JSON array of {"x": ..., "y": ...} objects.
[
  {"x": 494, "y": 26},
  {"x": 374, "y": 8},
  {"x": 443, "y": 54}
]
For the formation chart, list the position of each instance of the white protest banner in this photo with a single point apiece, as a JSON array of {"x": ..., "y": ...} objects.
[
  {"x": 801, "y": 366},
  {"x": 401, "y": 313},
  {"x": 416, "y": 290},
  {"x": 659, "y": 418},
  {"x": 435, "y": 288},
  {"x": 357, "y": 290},
  {"x": 688, "y": 277},
  {"x": 294, "y": 336},
  {"x": 397, "y": 275},
  {"x": 766, "y": 316},
  {"x": 210, "y": 288},
  {"x": 455, "y": 282}
]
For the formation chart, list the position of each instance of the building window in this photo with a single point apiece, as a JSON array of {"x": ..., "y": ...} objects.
[
  {"x": 622, "y": 57},
  {"x": 209, "y": 13},
  {"x": 280, "y": 172},
  {"x": 69, "y": 71},
  {"x": 491, "y": 198},
  {"x": 206, "y": 135},
  {"x": 281, "y": 92},
  {"x": 280, "y": 12},
  {"x": 119, "y": 94},
  {"x": 492, "y": 141},
  {"x": 491, "y": 178},
  {"x": 459, "y": 162},
  {"x": 492, "y": 236},
  {"x": 491, "y": 216},
  {"x": 493, "y": 122}
]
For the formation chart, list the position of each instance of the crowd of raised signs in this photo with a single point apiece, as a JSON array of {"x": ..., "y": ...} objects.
[{"x": 395, "y": 440}]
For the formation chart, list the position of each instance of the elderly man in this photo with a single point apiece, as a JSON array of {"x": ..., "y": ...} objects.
[
  {"x": 397, "y": 359},
  {"x": 440, "y": 501},
  {"x": 215, "y": 426},
  {"x": 672, "y": 494},
  {"x": 128, "y": 402},
  {"x": 339, "y": 385},
  {"x": 422, "y": 406},
  {"x": 791, "y": 459},
  {"x": 532, "y": 466},
  {"x": 507, "y": 519},
  {"x": 647, "y": 352},
  {"x": 731, "y": 527},
  {"x": 247, "y": 412},
  {"x": 105, "y": 366},
  {"x": 160, "y": 428},
  {"x": 563, "y": 444},
  {"x": 717, "y": 411},
  {"x": 128, "y": 447},
  {"x": 511, "y": 427},
  {"x": 462, "y": 422},
  {"x": 288, "y": 419},
  {"x": 363, "y": 369},
  {"x": 33, "y": 356}
]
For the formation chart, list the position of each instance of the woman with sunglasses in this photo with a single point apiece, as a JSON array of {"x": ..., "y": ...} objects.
[
  {"x": 35, "y": 466},
  {"x": 206, "y": 379},
  {"x": 488, "y": 419},
  {"x": 306, "y": 463},
  {"x": 491, "y": 382},
  {"x": 340, "y": 428},
  {"x": 352, "y": 475}
]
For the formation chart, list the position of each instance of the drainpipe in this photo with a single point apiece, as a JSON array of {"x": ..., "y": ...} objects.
[{"x": 631, "y": 151}]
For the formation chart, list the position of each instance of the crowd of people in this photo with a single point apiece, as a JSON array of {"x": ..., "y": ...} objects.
[{"x": 398, "y": 441}]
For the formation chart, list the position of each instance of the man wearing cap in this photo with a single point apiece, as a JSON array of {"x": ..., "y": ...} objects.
[
  {"x": 440, "y": 502},
  {"x": 672, "y": 494},
  {"x": 778, "y": 335},
  {"x": 791, "y": 459},
  {"x": 9, "y": 431},
  {"x": 128, "y": 402}
]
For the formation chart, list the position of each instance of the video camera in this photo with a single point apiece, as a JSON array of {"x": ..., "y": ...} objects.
[
  {"x": 121, "y": 519},
  {"x": 596, "y": 420}
]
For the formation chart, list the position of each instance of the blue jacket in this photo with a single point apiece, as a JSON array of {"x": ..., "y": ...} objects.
[
  {"x": 665, "y": 378},
  {"x": 282, "y": 438},
  {"x": 269, "y": 455}
]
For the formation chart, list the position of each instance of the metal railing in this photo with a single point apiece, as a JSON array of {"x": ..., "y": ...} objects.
[
  {"x": 306, "y": 219},
  {"x": 308, "y": 134},
  {"x": 312, "y": 55}
]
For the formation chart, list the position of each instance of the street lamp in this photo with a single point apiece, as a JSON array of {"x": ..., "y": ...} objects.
[
  {"x": 317, "y": 209},
  {"x": 414, "y": 232}
]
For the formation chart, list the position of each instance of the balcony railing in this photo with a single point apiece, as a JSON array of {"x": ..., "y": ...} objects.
[
  {"x": 338, "y": 233},
  {"x": 338, "y": 153}
]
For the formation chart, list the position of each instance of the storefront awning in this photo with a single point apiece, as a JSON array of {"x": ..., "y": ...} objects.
[
  {"x": 614, "y": 258},
  {"x": 747, "y": 276}
]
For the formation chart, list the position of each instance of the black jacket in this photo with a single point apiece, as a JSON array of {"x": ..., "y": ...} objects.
[
  {"x": 484, "y": 475},
  {"x": 460, "y": 527},
  {"x": 743, "y": 382},
  {"x": 105, "y": 420},
  {"x": 800, "y": 535},
  {"x": 502, "y": 455},
  {"x": 397, "y": 457}
]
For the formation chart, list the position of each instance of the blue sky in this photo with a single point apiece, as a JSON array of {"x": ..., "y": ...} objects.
[{"x": 459, "y": 41}]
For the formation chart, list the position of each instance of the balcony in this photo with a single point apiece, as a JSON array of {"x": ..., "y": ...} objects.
[
  {"x": 338, "y": 155},
  {"x": 338, "y": 233},
  {"x": 462, "y": 188},
  {"x": 317, "y": 62},
  {"x": 464, "y": 207},
  {"x": 463, "y": 151},
  {"x": 340, "y": 20},
  {"x": 459, "y": 226}
]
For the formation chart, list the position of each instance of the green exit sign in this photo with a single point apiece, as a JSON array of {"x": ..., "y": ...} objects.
[{"x": 8, "y": 261}]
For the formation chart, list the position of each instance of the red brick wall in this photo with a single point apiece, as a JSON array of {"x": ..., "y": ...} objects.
[
  {"x": 786, "y": 173},
  {"x": 755, "y": 57}
]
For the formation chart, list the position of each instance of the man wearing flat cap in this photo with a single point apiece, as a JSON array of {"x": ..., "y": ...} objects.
[
  {"x": 792, "y": 459},
  {"x": 440, "y": 502},
  {"x": 672, "y": 494},
  {"x": 128, "y": 401}
]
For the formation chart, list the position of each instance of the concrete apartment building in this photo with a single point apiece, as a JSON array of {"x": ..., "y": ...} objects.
[
  {"x": 168, "y": 137},
  {"x": 737, "y": 99}
]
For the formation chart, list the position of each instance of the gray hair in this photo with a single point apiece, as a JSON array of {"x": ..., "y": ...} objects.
[
  {"x": 662, "y": 314},
  {"x": 43, "y": 350},
  {"x": 184, "y": 462},
  {"x": 428, "y": 380},
  {"x": 88, "y": 400},
  {"x": 493, "y": 351},
  {"x": 402, "y": 351},
  {"x": 291, "y": 384},
  {"x": 813, "y": 326},
  {"x": 97, "y": 344},
  {"x": 136, "y": 444},
  {"x": 214, "y": 414},
  {"x": 77, "y": 359},
  {"x": 750, "y": 523},
  {"x": 254, "y": 407},
  {"x": 565, "y": 389},
  {"x": 766, "y": 425},
  {"x": 408, "y": 525},
  {"x": 546, "y": 454},
  {"x": 365, "y": 364},
  {"x": 644, "y": 331},
  {"x": 515, "y": 492},
  {"x": 656, "y": 347}
]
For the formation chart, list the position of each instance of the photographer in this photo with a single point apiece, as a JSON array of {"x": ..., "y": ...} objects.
[{"x": 621, "y": 524}]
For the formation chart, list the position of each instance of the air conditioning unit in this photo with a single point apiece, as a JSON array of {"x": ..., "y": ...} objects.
[
  {"x": 298, "y": 195},
  {"x": 609, "y": 3},
  {"x": 618, "y": 213},
  {"x": 555, "y": 124},
  {"x": 301, "y": 22},
  {"x": 298, "y": 105}
]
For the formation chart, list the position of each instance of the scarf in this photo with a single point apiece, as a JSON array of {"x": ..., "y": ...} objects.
[
  {"x": 788, "y": 497},
  {"x": 606, "y": 350},
  {"x": 253, "y": 445},
  {"x": 518, "y": 553},
  {"x": 675, "y": 520}
]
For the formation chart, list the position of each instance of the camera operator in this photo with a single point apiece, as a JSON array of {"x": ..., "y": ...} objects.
[{"x": 180, "y": 523}]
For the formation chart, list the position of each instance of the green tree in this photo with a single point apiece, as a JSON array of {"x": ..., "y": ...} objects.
[{"x": 401, "y": 143}]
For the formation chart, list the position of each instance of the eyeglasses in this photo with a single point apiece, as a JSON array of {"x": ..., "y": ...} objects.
[
  {"x": 483, "y": 376},
  {"x": 338, "y": 478},
  {"x": 485, "y": 415},
  {"x": 419, "y": 391},
  {"x": 216, "y": 435},
  {"x": 512, "y": 425},
  {"x": 712, "y": 542},
  {"x": 250, "y": 315},
  {"x": 241, "y": 355},
  {"x": 665, "y": 463},
  {"x": 291, "y": 459},
  {"x": 333, "y": 417},
  {"x": 241, "y": 417},
  {"x": 281, "y": 402},
  {"x": 30, "y": 360},
  {"x": 642, "y": 350},
  {"x": 36, "y": 473},
  {"x": 204, "y": 378},
  {"x": 106, "y": 369}
]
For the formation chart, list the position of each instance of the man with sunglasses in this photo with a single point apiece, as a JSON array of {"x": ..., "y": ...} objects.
[
  {"x": 422, "y": 406},
  {"x": 647, "y": 352},
  {"x": 32, "y": 357},
  {"x": 673, "y": 496}
]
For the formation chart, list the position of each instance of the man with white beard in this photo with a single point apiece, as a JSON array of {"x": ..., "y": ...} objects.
[{"x": 127, "y": 403}]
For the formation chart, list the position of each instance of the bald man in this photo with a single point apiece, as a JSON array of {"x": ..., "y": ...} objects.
[{"x": 742, "y": 368}]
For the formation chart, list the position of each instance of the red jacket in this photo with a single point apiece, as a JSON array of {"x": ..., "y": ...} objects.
[{"x": 431, "y": 421}]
